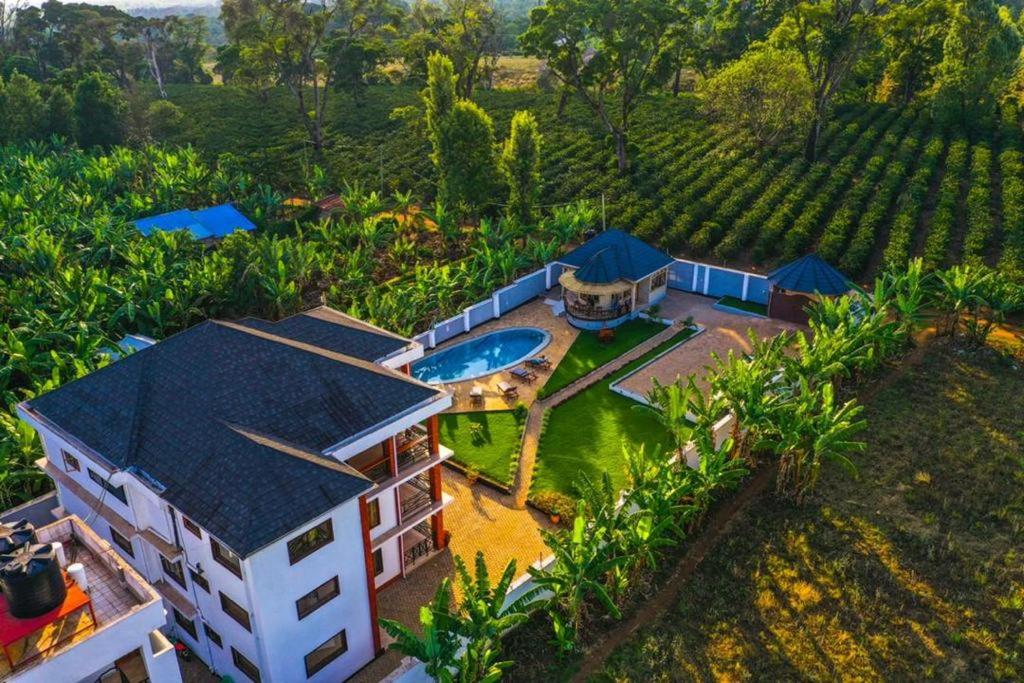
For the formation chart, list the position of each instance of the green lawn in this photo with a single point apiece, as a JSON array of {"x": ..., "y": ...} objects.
[
  {"x": 913, "y": 570},
  {"x": 585, "y": 434},
  {"x": 499, "y": 441},
  {"x": 739, "y": 304},
  {"x": 587, "y": 353}
]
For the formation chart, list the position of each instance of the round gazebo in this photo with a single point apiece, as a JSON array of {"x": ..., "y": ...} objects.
[
  {"x": 611, "y": 278},
  {"x": 800, "y": 283}
]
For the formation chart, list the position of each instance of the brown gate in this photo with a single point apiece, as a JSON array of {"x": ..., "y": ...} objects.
[{"x": 788, "y": 306}]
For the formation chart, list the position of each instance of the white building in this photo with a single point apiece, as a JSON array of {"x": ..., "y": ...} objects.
[
  {"x": 267, "y": 478},
  {"x": 115, "y": 635}
]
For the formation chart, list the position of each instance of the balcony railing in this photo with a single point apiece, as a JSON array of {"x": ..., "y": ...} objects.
[
  {"x": 416, "y": 495},
  {"x": 413, "y": 456},
  {"x": 414, "y": 552},
  {"x": 378, "y": 472},
  {"x": 584, "y": 312},
  {"x": 410, "y": 438}
]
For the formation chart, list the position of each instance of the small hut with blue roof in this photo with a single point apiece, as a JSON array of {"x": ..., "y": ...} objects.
[
  {"x": 611, "y": 278},
  {"x": 208, "y": 224},
  {"x": 796, "y": 285}
]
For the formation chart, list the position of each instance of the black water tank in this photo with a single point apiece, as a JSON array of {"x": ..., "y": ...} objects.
[
  {"x": 32, "y": 580},
  {"x": 14, "y": 536}
]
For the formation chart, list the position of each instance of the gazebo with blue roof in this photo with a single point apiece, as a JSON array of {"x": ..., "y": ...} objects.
[
  {"x": 211, "y": 223},
  {"x": 797, "y": 284},
  {"x": 611, "y": 278}
]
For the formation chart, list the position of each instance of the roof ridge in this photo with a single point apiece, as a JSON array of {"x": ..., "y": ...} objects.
[
  {"x": 326, "y": 353},
  {"x": 356, "y": 322},
  {"x": 294, "y": 450}
]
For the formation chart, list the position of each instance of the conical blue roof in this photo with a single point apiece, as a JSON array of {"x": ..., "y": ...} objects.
[
  {"x": 615, "y": 255},
  {"x": 810, "y": 274}
]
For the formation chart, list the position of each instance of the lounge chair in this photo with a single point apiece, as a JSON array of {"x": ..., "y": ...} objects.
[
  {"x": 523, "y": 375},
  {"x": 538, "y": 362},
  {"x": 476, "y": 395},
  {"x": 508, "y": 390}
]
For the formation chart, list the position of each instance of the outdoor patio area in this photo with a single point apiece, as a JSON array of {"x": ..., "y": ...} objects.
[
  {"x": 479, "y": 519},
  {"x": 536, "y": 313},
  {"x": 723, "y": 332}
]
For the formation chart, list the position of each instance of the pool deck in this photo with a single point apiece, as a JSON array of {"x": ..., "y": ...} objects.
[{"x": 536, "y": 313}]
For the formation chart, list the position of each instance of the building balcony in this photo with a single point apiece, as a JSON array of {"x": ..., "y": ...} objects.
[
  {"x": 415, "y": 495},
  {"x": 418, "y": 545},
  {"x": 582, "y": 311}
]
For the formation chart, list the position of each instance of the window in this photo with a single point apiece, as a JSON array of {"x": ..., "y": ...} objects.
[
  {"x": 187, "y": 625},
  {"x": 235, "y": 611},
  {"x": 314, "y": 599},
  {"x": 245, "y": 666},
  {"x": 116, "y": 491},
  {"x": 71, "y": 463},
  {"x": 326, "y": 652},
  {"x": 173, "y": 570},
  {"x": 659, "y": 279},
  {"x": 225, "y": 557},
  {"x": 310, "y": 541},
  {"x": 199, "y": 580},
  {"x": 191, "y": 526},
  {"x": 122, "y": 542},
  {"x": 378, "y": 561},
  {"x": 212, "y": 635},
  {"x": 374, "y": 512}
]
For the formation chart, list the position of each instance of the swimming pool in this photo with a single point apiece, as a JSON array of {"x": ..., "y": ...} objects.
[{"x": 483, "y": 355}]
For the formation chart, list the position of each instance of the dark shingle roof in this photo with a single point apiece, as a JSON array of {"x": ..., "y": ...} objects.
[
  {"x": 810, "y": 274},
  {"x": 614, "y": 255},
  {"x": 232, "y": 422},
  {"x": 334, "y": 331}
]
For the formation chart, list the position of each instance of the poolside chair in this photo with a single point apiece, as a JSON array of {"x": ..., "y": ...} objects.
[
  {"x": 508, "y": 390},
  {"x": 476, "y": 395},
  {"x": 538, "y": 362},
  {"x": 523, "y": 374}
]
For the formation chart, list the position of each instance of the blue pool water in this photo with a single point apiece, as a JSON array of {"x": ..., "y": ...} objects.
[{"x": 481, "y": 355}]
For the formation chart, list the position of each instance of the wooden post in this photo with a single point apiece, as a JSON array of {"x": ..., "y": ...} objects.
[{"x": 371, "y": 583}]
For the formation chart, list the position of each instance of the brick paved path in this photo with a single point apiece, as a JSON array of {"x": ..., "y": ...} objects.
[{"x": 535, "y": 418}]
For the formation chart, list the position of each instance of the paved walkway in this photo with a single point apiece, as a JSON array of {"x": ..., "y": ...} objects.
[
  {"x": 479, "y": 518},
  {"x": 535, "y": 418}
]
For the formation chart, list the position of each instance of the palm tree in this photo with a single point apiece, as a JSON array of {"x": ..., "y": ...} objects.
[
  {"x": 670, "y": 404},
  {"x": 810, "y": 429},
  {"x": 438, "y": 647},
  {"x": 577, "y": 576}
]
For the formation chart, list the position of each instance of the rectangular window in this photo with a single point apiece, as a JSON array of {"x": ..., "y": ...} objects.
[
  {"x": 199, "y": 580},
  {"x": 378, "y": 561},
  {"x": 326, "y": 652},
  {"x": 212, "y": 635},
  {"x": 319, "y": 596},
  {"x": 116, "y": 491},
  {"x": 121, "y": 542},
  {"x": 374, "y": 512},
  {"x": 187, "y": 625},
  {"x": 71, "y": 463},
  {"x": 245, "y": 666},
  {"x": 191, "y": 526},
  {"x": 235, "y": 611},
  {"x": 310, "y": 541},
  {"x": 173, "y": 570},
  {"x": 225, "y": 557}
]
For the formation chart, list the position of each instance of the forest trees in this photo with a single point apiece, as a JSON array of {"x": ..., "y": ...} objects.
[
  {"x": 980, "y": 54},
  {"x": 766, "y": 92},
  {"x": 611, "y": 55},
  {"x": 308, "y": 50}
]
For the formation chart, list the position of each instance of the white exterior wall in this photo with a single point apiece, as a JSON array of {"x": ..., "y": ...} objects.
[
  {"x": 390, "y": 551},
  {"x": 285, "y": 640}
]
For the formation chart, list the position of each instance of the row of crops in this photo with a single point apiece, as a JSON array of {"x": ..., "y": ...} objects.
[{"x": 888, "y": 185}]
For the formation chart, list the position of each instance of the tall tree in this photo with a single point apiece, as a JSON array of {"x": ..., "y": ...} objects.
[
  {"x": 466, "y": 31},
  {"x": 60, "y": 113},
  {"x": 304, "y": 47},
  {"x": 611, "y": 53},
  {"x": 830, "y": 36},
  {"x": 980, "y": 54},
  {"x": 912, "y": 39},
  {"x": 520, "y": 164},
  {"x": 22, "y": 110},
  {"x": 462, "y": 140},
  {"x": 99, "y": 111}
]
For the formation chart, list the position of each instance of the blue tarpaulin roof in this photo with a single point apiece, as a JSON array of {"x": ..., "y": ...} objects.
[
  {"x": 216, "y": 221},
  {"x": 615, "y": 255},
  {"x": 810, "y": 274}
]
